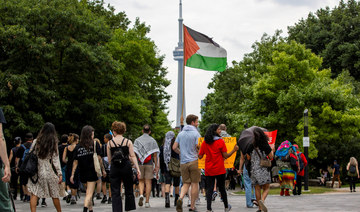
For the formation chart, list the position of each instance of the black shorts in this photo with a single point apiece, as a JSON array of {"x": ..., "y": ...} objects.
[
  {"x": 88, "y": 176},
  {"x": 107, "y": 178},
  {"x": 175, "y": 181}
]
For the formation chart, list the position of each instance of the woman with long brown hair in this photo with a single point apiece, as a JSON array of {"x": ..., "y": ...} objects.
[
  {"x": 83, "y": 159},
  {"x": 353, "y": 173},
  {"x": 49, "y": 173}
]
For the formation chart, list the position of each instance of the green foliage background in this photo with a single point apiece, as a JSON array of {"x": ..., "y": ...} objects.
[
  {"x": 75, "y": 63},
  {"x": 315, "y": 68}
]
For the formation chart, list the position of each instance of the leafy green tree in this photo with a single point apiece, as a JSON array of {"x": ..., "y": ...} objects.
[
  {"x": 278, "y": 80},
  {"x": 57, "y": 64},
  {"x": 142, "y": 79},
  {"x": 332, "y": 34}
]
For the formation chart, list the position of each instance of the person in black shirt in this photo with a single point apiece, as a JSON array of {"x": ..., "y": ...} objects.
[
  {"x": 68, "y": 158},
  {"x": 5, "y": 174},
  {"x": 14, "y": 175},
  {"x": 336, "y": 174},
  {"x": 20, "y": 155},
  {"x": 84, "y": 152}
]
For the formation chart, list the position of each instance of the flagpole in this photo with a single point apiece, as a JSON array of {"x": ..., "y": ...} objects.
[
  {"x": 179, "y": 57},
  {"x": 183, "y": 84}
]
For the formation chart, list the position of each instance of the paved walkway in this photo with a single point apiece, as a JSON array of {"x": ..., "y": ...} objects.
[{"x": 337, "y": 202}]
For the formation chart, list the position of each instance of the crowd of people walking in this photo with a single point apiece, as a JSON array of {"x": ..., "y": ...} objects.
[{"x": 49, "y": 167}]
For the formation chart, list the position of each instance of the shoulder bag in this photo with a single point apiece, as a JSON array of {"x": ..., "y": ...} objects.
[
  {"x": 174, "y": 167},
  {"x": 96, "y": 162},
  {"x": 264, "y": 162}
]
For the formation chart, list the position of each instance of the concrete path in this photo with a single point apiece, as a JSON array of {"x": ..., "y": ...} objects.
[{"x": 337, "y": 202}]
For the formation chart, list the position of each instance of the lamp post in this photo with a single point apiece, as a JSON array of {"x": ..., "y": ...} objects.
[{"x": 306, "y": 144}]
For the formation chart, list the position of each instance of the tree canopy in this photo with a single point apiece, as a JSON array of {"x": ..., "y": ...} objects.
[
  {"x": 333, "y": 34},
  {"x": 273, "y": 85},
  {"x": 75, "y": 63}
]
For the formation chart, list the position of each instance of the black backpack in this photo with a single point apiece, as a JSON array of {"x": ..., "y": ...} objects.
[
  {"x": 118, "y": 158},
  {"x": 29, "y": 167},
  {"x": 352, "y": 169}
]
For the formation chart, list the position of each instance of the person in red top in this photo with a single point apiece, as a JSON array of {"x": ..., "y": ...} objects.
[
  {"x": 300, "y": 174},
  {"x": 215, "y": 150}
]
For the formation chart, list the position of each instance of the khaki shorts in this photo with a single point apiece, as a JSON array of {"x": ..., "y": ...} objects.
[
  {"x": 190, "y": 172},
  {"x": 147, "y": 172}
]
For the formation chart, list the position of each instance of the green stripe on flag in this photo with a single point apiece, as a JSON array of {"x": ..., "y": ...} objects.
[{"x": 207, "y": 63}]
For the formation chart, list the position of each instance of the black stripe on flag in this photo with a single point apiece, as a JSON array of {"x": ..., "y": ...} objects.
[{"x": 199, "y": 37}]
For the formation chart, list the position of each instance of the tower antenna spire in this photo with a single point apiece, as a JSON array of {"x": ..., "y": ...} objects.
[{"x": 179, "y": 56}]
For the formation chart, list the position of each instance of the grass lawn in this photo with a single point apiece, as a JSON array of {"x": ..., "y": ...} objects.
[
  {"x": 313, "y": 190},
  {"x": 348, "y": 186}
]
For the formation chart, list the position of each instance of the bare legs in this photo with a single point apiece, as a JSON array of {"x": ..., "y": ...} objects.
[
  {"x": 90, "y": 187},
  {"x": 34, "y": 199},
  {"x": 258, "y": 195}
]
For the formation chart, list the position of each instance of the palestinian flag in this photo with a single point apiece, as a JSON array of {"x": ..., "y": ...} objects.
[{"x": 202, "y": 52}]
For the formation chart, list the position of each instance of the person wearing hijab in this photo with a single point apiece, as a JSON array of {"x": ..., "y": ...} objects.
[{"x": 166, "y": 153}]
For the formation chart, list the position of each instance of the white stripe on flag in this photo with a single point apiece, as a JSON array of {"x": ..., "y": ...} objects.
[{"x": 209, "y": 50}]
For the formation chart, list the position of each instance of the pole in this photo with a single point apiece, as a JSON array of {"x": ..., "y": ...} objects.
[
  {"x": 183, "y": 96},
  {"x": 306, "y": 142},
  {"x": 179, "y": 57}
]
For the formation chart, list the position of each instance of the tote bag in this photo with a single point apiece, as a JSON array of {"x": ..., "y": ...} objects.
[{"x": 96, "y": 162}]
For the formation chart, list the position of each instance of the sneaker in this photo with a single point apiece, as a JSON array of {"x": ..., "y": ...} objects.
[
  {"x": 104, "y": 200},
  {"x": 179, "y": 204},
  {"x": 189, "y": 202},
  {"x": 147, "y": 205},
  {"x": 98, "y": 196},
  {"x": 43, "y": 204},
  {"x": 72, "y": 202},
  {"x": 228, "y": 208},
  {"x": 141, "y": 200},
  {"x": 214, "y": 196},
  {"x": 109, "y": 200},
  {"x": 262, "y": 205}
]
